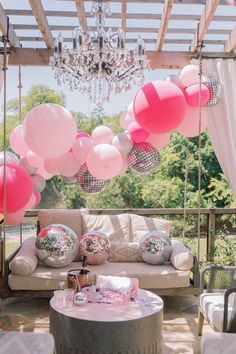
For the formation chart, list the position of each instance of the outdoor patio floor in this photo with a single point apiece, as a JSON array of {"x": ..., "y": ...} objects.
[{"x": 179, "y": 328}]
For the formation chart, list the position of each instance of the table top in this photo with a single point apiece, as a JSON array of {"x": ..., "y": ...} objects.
[{"x": 148, "y": 304}]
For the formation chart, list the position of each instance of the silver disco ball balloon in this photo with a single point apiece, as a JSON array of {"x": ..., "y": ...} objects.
[
  {"x": 95, "y": 245},
  {"x": 143, "y": 158},
  {"x": 56, "y": 245},
  {"x": 88, "y": 182},
  {"x": 216, "y": 89},
  {"x": 10, "y": 157},
  {"x": 155, "y": 247}
]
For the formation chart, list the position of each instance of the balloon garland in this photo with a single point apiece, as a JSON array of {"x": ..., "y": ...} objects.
[{"x": 49, "y": 144}]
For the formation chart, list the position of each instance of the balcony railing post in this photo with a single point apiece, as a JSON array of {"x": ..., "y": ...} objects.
[{"x": 211, "y": 233}]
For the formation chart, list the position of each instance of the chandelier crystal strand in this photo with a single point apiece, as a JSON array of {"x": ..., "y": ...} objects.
[{"x": 98, "y": 63}]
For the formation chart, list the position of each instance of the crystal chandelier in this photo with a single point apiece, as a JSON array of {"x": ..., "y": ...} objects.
[{"x": 99, "y": 63}]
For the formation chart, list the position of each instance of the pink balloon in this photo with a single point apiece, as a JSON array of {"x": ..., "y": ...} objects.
[
  {"x": 122, "y": 142},
  {"x": 82, "y": 147},
  {"x": 102, "y": 135},
  {"x": 189, "y": 127},
  {"x": 159, "y": 107},
  {"x": 189, "y": 75},
  {"x": 17, "y": 140},
  {"x": 159, "y": 140},
  {"x": 104, "y": 161},
  {"x": 137, "y": 133},
  {"x": 176, "y": 81},
  {"x": 124, "y": 166},
  {"x": 42, "y": 172},
  {"x": 49, "y": 130},
  {"x": 18, "y": 216},
  {"x": 130, "y": 110},
  {"x": 52, "y": 165},
  {"x": 30, "y": 204},
  {"x": 19, "y": 187},
  {"x": 125, "y": 120},
  {"x": 38, "y": 183},
  {"x": 37, "y": 199},
  {"x": 83, "y": 135},
  {"x": 192, "y": 94},
  {"x": 68, "y": 165},
  {"x": 34, "y": 160}
]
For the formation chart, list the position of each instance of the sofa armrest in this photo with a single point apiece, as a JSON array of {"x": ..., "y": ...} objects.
[{"x": 25, "y": 260}]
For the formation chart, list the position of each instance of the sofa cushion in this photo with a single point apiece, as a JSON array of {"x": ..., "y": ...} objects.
[
  {"x": 181, "y": 257},
  {"x": 25, "y": 261},
  {"x": 140, "y": 225},
  {"x": 218, "y": 343},
  {"x": 116, "y": 227},
  {"x": 149, "y": 277},
  {"x": 212, "y": 306},
  {"x": 124, "y": 252},
  {"x": 68, "y": 217}
]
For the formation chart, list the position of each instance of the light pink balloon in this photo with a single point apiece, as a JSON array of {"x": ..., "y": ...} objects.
[
  {"x": 38, "y": 183},
  {"x": 68, "y": 165},
  {"x": 125, "y": 120},
  {"x": 192, "y": 94},
  {"x": 189, "y": 75},
  {"x": 159, "y": 140},
  {"x": 82, "y": 147},
  {"x": 102, "y": 135},
  {"x": 52, "y": 165},
  {"x": 124, "y": 166},
  {"x": 27, "y": 166},
  {"x": 37, "y": 199},
  {"x": 104, "y": 161},
  {"x": 49, "y": 130},
  {"x": 42, "y": 172},
  {"x": 189, "y": 127},
  {"x": 123, "y": 143},
  {"x": 137, "y": 133},
  {"x": 82, "y": 135},
  {"x": 130, "y": 110},
  {"x": 31, "y": 202},
  {"x": 17, "y": 140},
  {"x": 34, "y": 160},
  {"x": 175, "y": 80}
]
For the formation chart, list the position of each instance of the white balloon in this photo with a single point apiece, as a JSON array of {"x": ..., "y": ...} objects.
[
  {"x": 189, "y": 75},
  {"x": 123, "y": 143},
  {"x": 39, "y": 183},
  {"x": 125, "y": 120},
  {"x": 176, "y": 81},
  {"x": 25, "y": 164}
]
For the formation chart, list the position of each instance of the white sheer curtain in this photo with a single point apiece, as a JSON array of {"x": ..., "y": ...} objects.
[{"x": 222, "y": 117}]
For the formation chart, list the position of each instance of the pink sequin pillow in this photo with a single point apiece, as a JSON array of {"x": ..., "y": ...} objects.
[{"x": 95, "y": 245}]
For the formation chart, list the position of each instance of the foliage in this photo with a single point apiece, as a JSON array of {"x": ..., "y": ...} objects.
[{"x": 224, "y": 251}]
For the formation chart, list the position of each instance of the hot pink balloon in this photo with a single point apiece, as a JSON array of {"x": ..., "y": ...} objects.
[
  {"x": 123, "y": 142},
  {"x": 37, "y": 199},
  {"x": 18, "y": 216},
  {"x": 19, "y": 187},
  {"x": 102, "y": 135},
  {"x": 17, "y": 140},
  {"x": 68, "y": 165},
  {"x": 137, "y": 133},
  {"x": 42, "y": 172},
  {"x": 82, "y": 147},
  {"x": 38, "y": 183},
  {"x": 52, "y": 165},
  {"x": 104, "y": 161},
  {"x": 189, "y": 127},
  {"x": 82, "y": 135},
  {"x": 192, "y": 94},
  {"x": 159, "y": 140},
  {"x": 49, "y": 130},
  {"x": 125, "y": 120},
  {"x": 159, "y": 107},
  {"x": 34, "y": 160},
  {"x": 189, "y": 75}
]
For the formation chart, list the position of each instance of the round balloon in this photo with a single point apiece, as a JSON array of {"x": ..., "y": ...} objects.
[
  {"x": 19, "y": 187},
  {"x": 34, "y": 160},
  {"x": 82, "y": 147},
  {"x": 52, "y": 165},
  {"x": 69, "y": 180},
  {"x": 192, "y": 95},
  {"x": 49, "y": 130},
  {"x": 123, "y": 143},
  {"x": 125, "y": 120},
  {"x": 104, "y": 161},
  {"x": 143, "y": 158},
  {"x": 37, "y": 199},
  {"x": 82, "y": 135},
  {"x": 68, "y": 165},
  {"x": 27, "y": 166},
  {"x": 175, "y": 80},
  {"x": 17, "y": 140},
  {"x": 159, "y": 107},
  {"x": 18, "y": 216},
  {"x": 159, "y": 140},
  {"x": 137, "y": 133},
  {"x": 42, "y": 172},
  {"x": 102, "y": 135},
  {"x": 216, "y": 90},
  {"x": 189, "y": 127},
  {"x": 95, "y": 245},
  {"x": 130, "y": 110},
  {"x": 10, "y": 157},
  {"x": 38, "y": 183},
  {"x": 88, "y": 182},
  {"x": 56, "y": 245},
  {"x": 189, "y": 75},
  {"x": 124, "y": 167}
]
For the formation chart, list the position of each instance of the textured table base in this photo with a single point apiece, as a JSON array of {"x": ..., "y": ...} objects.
[{"x": 75, "y": 336}]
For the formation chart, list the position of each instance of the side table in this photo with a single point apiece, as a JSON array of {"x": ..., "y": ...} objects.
[{"x": 134, "y": 328}]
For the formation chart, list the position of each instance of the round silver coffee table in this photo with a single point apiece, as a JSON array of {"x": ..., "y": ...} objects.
[{"x": 134, "y": 328}]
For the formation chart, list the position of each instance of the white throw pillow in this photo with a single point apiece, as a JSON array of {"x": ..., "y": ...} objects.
[
  {"x": 25, "y": 261},
  {"x": 181, "y": 257}
]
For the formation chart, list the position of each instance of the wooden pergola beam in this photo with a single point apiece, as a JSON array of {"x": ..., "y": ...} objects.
[
  {"x": 123, "y": 14},
  {"x": 164, "y": 24},
  {"x": 41, "y": 19},
  {"x": 230, "y": 45},
  {"x": 81, "y": 14},
  {"x": 164, "y": 59},
  {"x": 204, "y": 23},
  {"x": 13, "y": 39}
]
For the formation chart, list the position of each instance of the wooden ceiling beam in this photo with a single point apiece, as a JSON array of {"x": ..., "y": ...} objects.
[
  {"x": 13, "y": 39},
  {"x": 230, "y": 45},
  {"x": 41, "y": 19},
  {"x": 164, "y": 24},
  {"x": 204, "y": 23},
  {"x": 123, "y": 15},
  {"x": 81, "y": 14}
]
